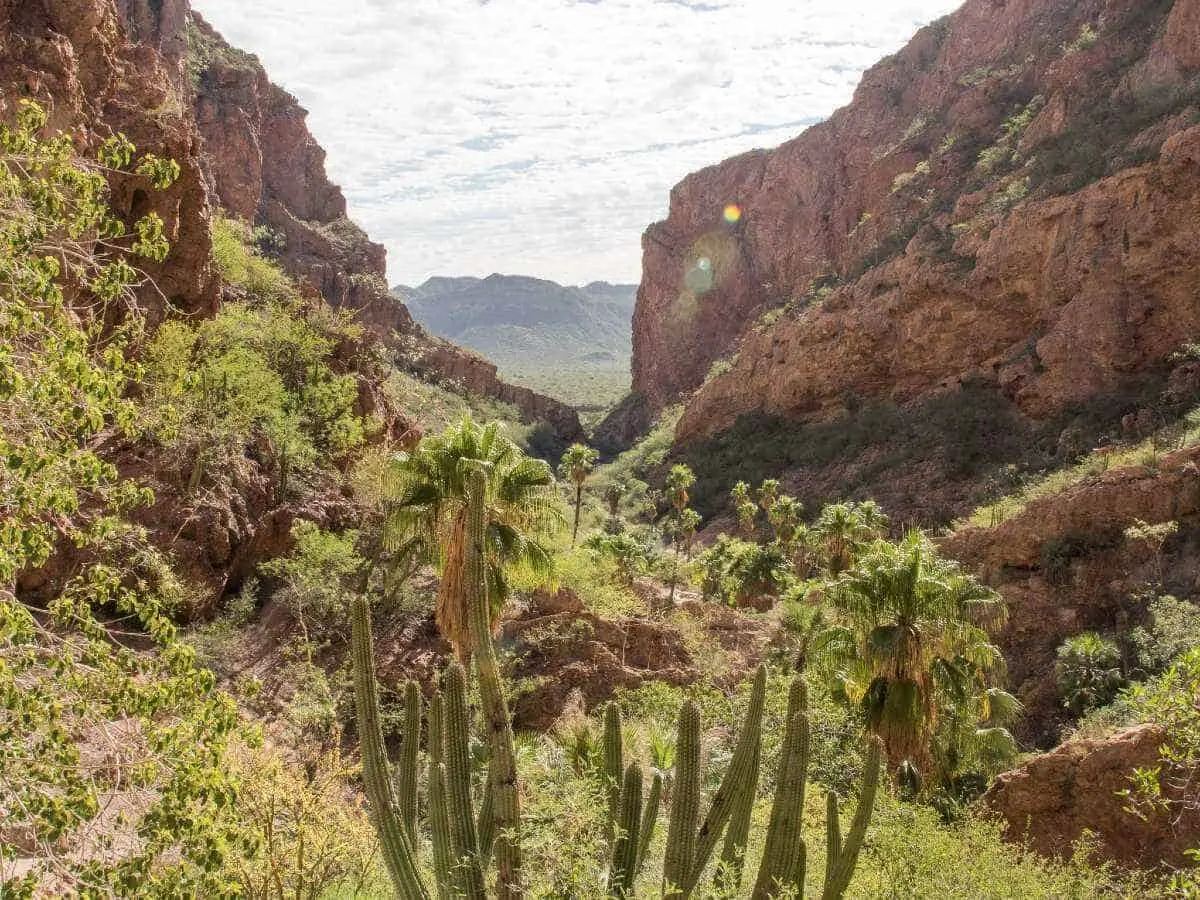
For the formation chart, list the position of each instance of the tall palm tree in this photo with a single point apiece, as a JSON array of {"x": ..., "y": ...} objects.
[
  {"x": 576, "y": 464},
  {"x": 428, "y": 491},
  {"x": 911, "y": 640}
]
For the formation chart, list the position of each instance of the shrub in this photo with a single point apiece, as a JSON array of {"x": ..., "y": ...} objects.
[
  {"x": 1170, "y": 631},
  {"x": 315, "y": 578},
  {"x": 1088, "y": 670},
  {"x": 253, "y": 369}
]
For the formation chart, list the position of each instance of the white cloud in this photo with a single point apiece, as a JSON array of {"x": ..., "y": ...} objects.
[{"x": 541, "y": 136}]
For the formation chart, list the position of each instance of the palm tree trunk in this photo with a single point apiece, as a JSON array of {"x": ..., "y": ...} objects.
[{"x": 578, "y": 503}]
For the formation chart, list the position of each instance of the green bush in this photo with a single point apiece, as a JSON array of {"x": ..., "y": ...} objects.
[
  {"x": 315, "y": 579},
  {"x": 256, "y": 368},
  {"x": 1088, "y": 670}
]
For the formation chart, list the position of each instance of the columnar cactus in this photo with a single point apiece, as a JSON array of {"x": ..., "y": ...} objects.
[
  {"x": 624, "y": 866},
  {"x": 406, "y": 774},
  {"x": 497, "y": 723},
  {"x": 398, "y": 851}
]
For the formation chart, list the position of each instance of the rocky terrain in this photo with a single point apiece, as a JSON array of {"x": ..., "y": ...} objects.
[{"x": 1007, "y": 203}]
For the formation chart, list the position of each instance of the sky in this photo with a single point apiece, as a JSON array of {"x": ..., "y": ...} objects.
[{"x": 541, "y": 137}]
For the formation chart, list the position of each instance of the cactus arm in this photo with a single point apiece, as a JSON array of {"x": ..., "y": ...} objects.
[
  {"x": 649, "y": 820},
  {"x": 439, "y": 827},
  {"x": 733, "y": 853},
  {"x": 736, "y": 781},
  {"x": 833, "y": 842},
  {"x": 847, "y": 857},
  {"x": 784, "y": 843},
  {"x": 685, "y": 805},
  {"x": 614, "y": 764},
  {"x": 457, "y": 738},
  {"x": 625, "y": 848},
  {"x": 498, "y": 725},
  {"x": 406, "y": 774},
  {"x": 486, "y": 824},
  {"x": 396, "y": 847}
]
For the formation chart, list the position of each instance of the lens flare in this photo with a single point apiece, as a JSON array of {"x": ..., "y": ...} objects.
[{"x": 732, "y": 213}]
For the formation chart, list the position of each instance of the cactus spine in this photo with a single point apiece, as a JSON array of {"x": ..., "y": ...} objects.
[
  {"x": 397, "y": 848},
  {"x": 507, "y": 845}
]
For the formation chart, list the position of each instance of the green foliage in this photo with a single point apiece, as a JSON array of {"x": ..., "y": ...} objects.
[
  {"x": 912, "y": 855},
  {"x": 313, "y": 838},
  {"x": 89, "y": 720},
  {"x": 742, "y": 573},
  {"x": 255, "y": 368},
  {"x": 1172, "y": 788},
  {"x": 909, "y": 645},
  {"x": 630, "y": 553},
  {"x": 1088, "y": 671},
  {"x": 315, "y": 577},
  {"x": 577, "y": 463},
  {"x": 428, "y": 503},
  {"x": 1169, "y": 632}
]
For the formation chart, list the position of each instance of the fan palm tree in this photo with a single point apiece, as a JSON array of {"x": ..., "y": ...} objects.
[
  {"x": 843, "y": 528},
  {"x": 576, "y": 464},
  {"x": 428, "y": 489},
  {"x": 911, "y": 640}
]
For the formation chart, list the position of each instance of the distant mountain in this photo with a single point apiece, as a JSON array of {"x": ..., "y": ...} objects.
[{"x": 522, "y": 323}]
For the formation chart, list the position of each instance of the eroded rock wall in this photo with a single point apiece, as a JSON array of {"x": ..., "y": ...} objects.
[{"x": 1012, "y": 195}]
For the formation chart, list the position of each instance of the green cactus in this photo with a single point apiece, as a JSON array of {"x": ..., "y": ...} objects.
[
  {"x": 685, "y": 808},
  {"x": 842, "y": 855},
  {"x": 740, "y": 778},
  {"x": 614, "y": 764},
  {"x": 783, "y": 866},
  {"x": 457, "y": 756},
  {"x": 629, "y": 827},
  {"x": 398, "y": 851},
  {"x": 496, "y": 720},
  {"x": 649, "y": 820},
  {"x": 782, "y": 869},
  {"x": 406, "y": 770},
  {"x": 439, "y": 831},
  {"x": 623, "y": 869}
]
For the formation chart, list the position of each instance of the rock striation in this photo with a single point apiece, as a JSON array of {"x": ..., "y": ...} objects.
[{"x": 1011, "y": 197}]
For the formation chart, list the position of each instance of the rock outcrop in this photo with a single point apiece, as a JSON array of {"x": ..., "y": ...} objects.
[
  {"x": 100, "y": 68},
  {"x": 1064, "y": 566},
  {"x": 1012, "y": 198},
  {"x": 1053, "y": 798}
]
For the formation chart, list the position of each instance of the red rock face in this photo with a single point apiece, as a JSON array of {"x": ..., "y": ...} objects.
[
  {"x": 78, "y": 60},
  {"x": 935, "y": 228},
  {"x": 1064, "y": 566},
  {"x": 1053, "y": 798}
]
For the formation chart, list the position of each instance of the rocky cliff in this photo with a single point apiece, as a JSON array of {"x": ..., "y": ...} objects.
[
  {"x": 100, "y": 68},
  {"x": 1009, "y": 201},
  {"x": 263, "y": 165}
]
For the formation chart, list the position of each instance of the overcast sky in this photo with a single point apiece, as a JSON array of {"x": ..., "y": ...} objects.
[{"x": 541, "y": 137}]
